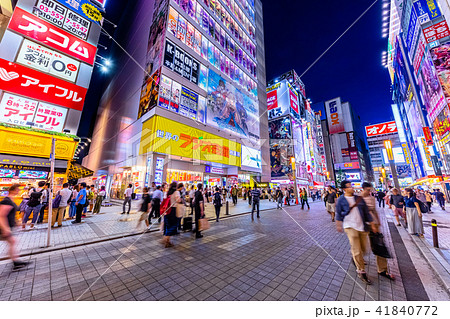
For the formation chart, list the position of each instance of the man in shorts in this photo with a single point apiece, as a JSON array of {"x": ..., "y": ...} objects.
[{"x": 331, "y": 202}]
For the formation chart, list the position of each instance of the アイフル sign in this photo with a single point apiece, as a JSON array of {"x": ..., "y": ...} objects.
[{"x": 40, "y": 30}]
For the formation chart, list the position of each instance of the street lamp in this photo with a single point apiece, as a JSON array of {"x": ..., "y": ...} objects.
[{"x": 390, "y": 154}]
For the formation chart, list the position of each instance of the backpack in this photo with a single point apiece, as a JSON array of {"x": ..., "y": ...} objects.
[
  {"x": 423, "y": 207},
  {"x": 35, "y": 198},
  {"x": 90, "y": 195},
  {"x": 56, "y": 201},
  {"x": 165, "y": 207},
  {"x": 217, "y": 200}
]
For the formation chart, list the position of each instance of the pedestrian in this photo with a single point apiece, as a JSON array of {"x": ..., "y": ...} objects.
[
  {"x": 279, "y": 197},
  {"x": 217, "y": 201},
  {"x": 429, "y": 200},
  {"x": 191, "y": 198},
  {"x": 73, "y": 207},
  {"x": 313, "y": 196},
  {"x": 330, "y": 202},
  {"x": 206, "y": 194},
  {"x": 397, "y": 202},
  {"x": 256, "y": 193},
  {"x": 287, "y": 197},
  {"x": 380, "y": 196},
  {"x": 80, "y": 203},
  {"x": 353, "y": 216},
  {"x": 156, "y": 204},
  {"x": 127, "y": 199},
  {"x": 234, "y": 194},
  {"x": 199, "y": 209},
  {"x": 170, "y": 216},
  {"x": 179, "y": 204},
  {"x": 382, "y": 264},
  {"x": 25, "y": 198},
  {"x": 44, "y": 202},
  {"x": 91, "y": 197},
  {"x": 34, "y": 205},
  {"x": 98, "y": 201},
  {"x": 440, "y": 198},
  {"x": 144, "y": 208},
  {"x": 413, "y": 214},
  {"x": 8, "y": 211},
  {"x": 421, "y": 196},
  {"x": 60, "y": 212},
  {"x": 249, "y": 194},
  {"x": 225, "y": 191},
  {"x": 244, "y": 193},
  {"x": 304, "y": 198}
]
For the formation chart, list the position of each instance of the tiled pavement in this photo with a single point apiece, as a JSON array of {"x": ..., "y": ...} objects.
[
  {"x": 271, "y": 258},
  {"x": 108, "y": 224}
]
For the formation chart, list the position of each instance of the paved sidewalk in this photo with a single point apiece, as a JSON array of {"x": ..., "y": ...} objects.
[
  {"x": 108, "y": 224},
  {"x": 277, "y": 257}
]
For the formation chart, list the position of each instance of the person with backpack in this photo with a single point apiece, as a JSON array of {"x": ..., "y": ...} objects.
[
  {"x": 34, "y": 205},
  {"x": 353, "y": 217},
  {"x": 80, "y": 203},
  {"x": 413, "y": 213},
  {"x": 256, "y": 194},
  {"x": 440, "y": 198},
  {"x": 8, "y": 211},
  {"x": 61, "y": 202},
  {"x": 217, "y": 201},
  {"x": 234, "y": 194}
]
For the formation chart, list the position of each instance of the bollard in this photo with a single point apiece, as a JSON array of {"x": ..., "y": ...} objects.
[
  {"x": 435, "y": 234},
  {"x": 227, "y": 209}
]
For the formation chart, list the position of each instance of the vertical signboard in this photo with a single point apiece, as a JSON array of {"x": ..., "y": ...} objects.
[{"x": 335, "y": 116}]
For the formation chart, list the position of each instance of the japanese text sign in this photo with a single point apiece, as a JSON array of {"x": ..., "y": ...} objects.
[
  {"x": 166, "y": 136},
  {"x": 427, "y": 10},
  {"x": 335, "y": 116},
  {"x": 436, "y": 32},
  {"x": 31, "y": 26},
  {"x": 84, "y": 8},
  {"x": 21, "y": 80},
  {"x": 381, "y": 129},
  {"x": 40, "y": 58}
]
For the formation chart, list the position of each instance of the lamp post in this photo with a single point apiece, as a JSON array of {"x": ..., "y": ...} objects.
[
  {"x": 295, "y": 179},
  {"x": 390, "y": 154}
]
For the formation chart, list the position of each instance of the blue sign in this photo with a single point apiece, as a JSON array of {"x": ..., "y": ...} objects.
[
  {"x": 411, "y": 30},
  {"x": 207, "y": 169},
  {"x": 427, "y": 10},
  {"x": 84, "y": 8}
]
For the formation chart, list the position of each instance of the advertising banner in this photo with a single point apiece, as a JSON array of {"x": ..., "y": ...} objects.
[
  {"x": 278, "y": 100},
  {"x": 335, "y": 116},
  {"x": 84, "y": 8},
  {"x": 61, "y": 16},
  {"x": 25, "y": 81},
  {"x": 22, "y": 111},
  {"x": 280, "y": 129},
  {"x": 230, "y": 110},
  {"x": 353, "y": 176},
  {"x": 426, "y": 156},
  {"x": 403, "y": 171},
  {"x": 352, "y": 165},
  {"x": 149, "y": 93},
  {"x": 293, "y": 97},
  {"x": 251, "y": 157},
  {"x": 272, "y": 100},
  {"x": 428, "y": 137},
  {"x": 155, "y": 45},
  {"x": 173, "y": 21},
  {"x": 40, "y": 30},
  {"x": 165, "y": 87},
  {"x": 412, "y": 32},
  {"x": 427, "y": 10},
  {"x": 441, "y": 60},
  {"x": 436, "y": 32},
  {"x": 40, "y": 58},
  {"x": 381, "y": 129},
  {"x": 280, "y": 163},
  {"x": 166, "y": 136},
  {"x": 441, "y": 124}
]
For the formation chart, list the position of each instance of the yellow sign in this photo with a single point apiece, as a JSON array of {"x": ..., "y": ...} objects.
[
  {"x": 91, "y": 11},
  {"x": 427, "y": 152},
  {"x": 406, "y": 153},
  {"x": 165, "y": 136},
  {"x": 22, "y": 142}
]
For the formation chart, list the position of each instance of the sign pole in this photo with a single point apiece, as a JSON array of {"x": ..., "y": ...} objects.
[{"x": 50, "y": 196}]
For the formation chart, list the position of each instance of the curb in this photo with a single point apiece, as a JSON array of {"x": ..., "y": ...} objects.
[{"x": 38, "y": 251}]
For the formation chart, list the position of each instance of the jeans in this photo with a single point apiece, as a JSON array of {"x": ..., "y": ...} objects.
[
  {"x": 127, "y": 200},
  {"x": 72, "y": 209},
  {"x": 217, "y": 207},
  {"x": 280, "y": 202},
  {"x": 305, "y": 201},
  {"x": 255, "y": 205},
  {"x": 36, "y": 210},
  {"x": 42, "y": 212},
  {"x": 381, "y": 201}
]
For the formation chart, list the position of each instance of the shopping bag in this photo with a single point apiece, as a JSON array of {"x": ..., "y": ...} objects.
[
  {"x": 203, "y": 224},
  {"x": 378, "y": 246}
]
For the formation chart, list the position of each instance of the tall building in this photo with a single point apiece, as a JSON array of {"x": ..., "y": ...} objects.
[
  {"x": 349, "y": 154},
  {"x": 188, "y": 108},
  {"x": 48, "y": 51}
]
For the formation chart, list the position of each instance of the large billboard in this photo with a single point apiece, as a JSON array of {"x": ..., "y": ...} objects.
[
  {"x": 251, "y": 157},
  {"x": 441, "y": 59},
  {"x": 381, "y": 129},
  {"x": 230, "y": 110},
  {"x": 282, "y": 100},
  {"x": 335, "y": 116}
]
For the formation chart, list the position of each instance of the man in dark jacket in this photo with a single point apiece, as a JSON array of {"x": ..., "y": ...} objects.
[
  {"x": 380, "y": 196},
  {"x": 353, "y": 216}
]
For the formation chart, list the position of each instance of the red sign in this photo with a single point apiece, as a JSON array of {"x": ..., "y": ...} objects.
[
  {"x": 31, "y": 26},
  {"x": 381, "y": 129},
  {"x": 294, "y": 101},
  {"x": 436, "y": 32},
  {"x": 272, "y": 102},
  {"x": 21, "y": 80},
  {"x": 427, "y": 134}
]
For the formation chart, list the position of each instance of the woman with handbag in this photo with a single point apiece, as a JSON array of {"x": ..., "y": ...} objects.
[
  {"x": 413, "y": 214},
  {"x": 170, "y": 215},
  {"x": 382, "y": 265}
]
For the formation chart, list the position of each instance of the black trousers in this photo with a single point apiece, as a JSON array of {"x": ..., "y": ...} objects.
[
  {"x": 305, "y": 201},
  {"x": 42, "y": 212},
  {"x": 255, "y": 206},
  {"x": 79, "y": 213},
  {"x": 198, "y": 215},
  {"x": 155, "y": 208},
  {"x": 235, "y": 199},
  {"x": 217, "y": 208},
  {"x": 381, "y": 201}
]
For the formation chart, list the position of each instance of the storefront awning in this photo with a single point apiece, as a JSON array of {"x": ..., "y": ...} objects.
[
  {"x": 77, "y": 171},
  {"x": 428, "y": 179}
]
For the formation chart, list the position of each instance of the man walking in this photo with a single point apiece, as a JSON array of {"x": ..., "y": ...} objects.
[
  {"x": 80, "y": 203},
  {"x": 234, "y": 194},
  {"x": 330, "y": 202},
  {"x": 127, "y": 199},
  {"x": 440, "y": 198},
  {"x": 156, "y": 204},
  {"x": 256, "y": 193},
  {"x": 65, "y": 194},
  {"x": 353, "y": 216},
  {"x": 381, "y": 195},
  {"x": 279, "y": 198}
]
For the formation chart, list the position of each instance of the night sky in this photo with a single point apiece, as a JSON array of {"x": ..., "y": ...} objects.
[{"x": 296, "y": 33}]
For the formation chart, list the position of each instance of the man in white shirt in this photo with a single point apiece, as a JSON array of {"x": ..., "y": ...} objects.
[
  {"x": 157, "y": 199},
  {"x": 127, "y": 199},
  {"x": 59, "y": 213},
  {"x": 353, "y": 216}
]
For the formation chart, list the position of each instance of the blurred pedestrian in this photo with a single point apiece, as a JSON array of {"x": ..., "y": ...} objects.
[
  {"x": 8, "y": 211},
  {"x": 34, "y": 205},
  {"x": 156, "y": 203},
  {"x": 179, "y": 204},
  {"x": 199, "y": 209},
  {"x": 330, "y": 202},
  {"x": 73, "y": 207},
  {"x": 380, "y": 196},
  {"x": 440, "y": 198},
  {"x": 144, "y": 208},
  {"x": 429, "y": 199},
  {"x": 234, "y": 194},
  {"x": 170, "y": 216},
  {"x": 279, "y": 198}
]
